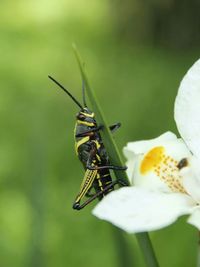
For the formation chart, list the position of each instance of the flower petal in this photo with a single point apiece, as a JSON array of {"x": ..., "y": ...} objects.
[
  {"x": 136, "y": 209},
  {"x": 132, "y": 149},
  {"x": 191, "y": 178},
  {"x": 187, "y": 108},
  {"x": 139, "y": 147},
  {"x": 194, "y": 219},
  {"x": 131, "y": 164},
  {"x": 154, "y": 163},
  {"x": 158, "y": 168}
]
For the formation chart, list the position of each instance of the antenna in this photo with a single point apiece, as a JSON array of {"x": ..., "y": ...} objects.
[
  {"x": 83, "y": 92},
  {"x": 66, "y": 91}
]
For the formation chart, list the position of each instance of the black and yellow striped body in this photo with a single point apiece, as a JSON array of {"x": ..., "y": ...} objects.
[{"x": 96, "y": 180}]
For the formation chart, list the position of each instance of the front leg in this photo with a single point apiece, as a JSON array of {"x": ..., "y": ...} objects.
[
  {"x": 114, "y": 127},
  {"x": 88, "y": 132}
]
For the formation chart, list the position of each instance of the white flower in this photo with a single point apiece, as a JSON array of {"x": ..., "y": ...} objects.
[{"x": 164, "y": 172}]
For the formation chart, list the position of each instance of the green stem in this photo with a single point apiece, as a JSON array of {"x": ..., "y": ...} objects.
[
  {"x": 147, "y": 249},
  {"x": 198, "y": 251},
  {"x": 115, "y": 159},
  {"x": 125, "y": 256}
]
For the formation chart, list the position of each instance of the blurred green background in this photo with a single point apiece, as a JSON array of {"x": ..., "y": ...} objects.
[{"x": 136, "y": 53}]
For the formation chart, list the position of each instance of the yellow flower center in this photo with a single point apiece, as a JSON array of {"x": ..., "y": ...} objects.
[
  {"x": 164, "y": 166},
  {"x": 153, "y": 158}
]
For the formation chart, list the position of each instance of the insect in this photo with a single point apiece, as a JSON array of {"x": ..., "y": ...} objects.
[{"x": 92, "y": 153}]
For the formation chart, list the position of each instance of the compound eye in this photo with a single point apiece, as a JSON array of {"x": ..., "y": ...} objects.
[{"x": 81, "y": 117}]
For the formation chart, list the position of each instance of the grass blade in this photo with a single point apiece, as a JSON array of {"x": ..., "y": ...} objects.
[{"x": 108, "y": 140}]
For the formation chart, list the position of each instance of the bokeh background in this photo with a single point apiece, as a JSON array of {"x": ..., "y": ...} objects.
[{"x": 136, "y": 53}]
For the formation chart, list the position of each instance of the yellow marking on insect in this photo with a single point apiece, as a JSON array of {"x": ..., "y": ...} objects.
[
  {"x": 163, "y": 166},
  {"x": 85, "y": 123},
  {"x": 97, "y": 144},
  {"x": 98, "y": 157},
  {"x": 80, "y": 142},
  {"x": 88, "y": 115},
  {"x": 86, "y": 183},
  {"x": 99, "y": 181}
]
